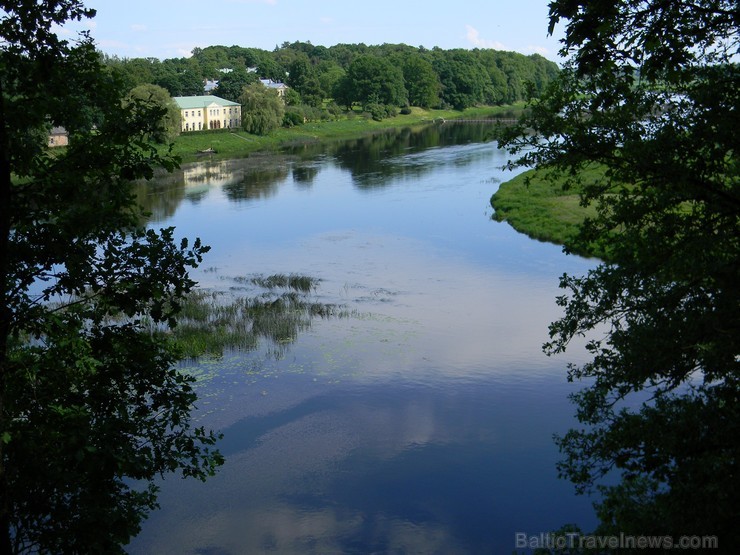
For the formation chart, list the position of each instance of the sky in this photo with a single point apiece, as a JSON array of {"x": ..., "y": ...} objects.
[{"x": 173, "y": 28}]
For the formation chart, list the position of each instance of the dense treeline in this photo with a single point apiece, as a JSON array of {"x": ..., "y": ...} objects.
[{"x": 378, "y": 78}]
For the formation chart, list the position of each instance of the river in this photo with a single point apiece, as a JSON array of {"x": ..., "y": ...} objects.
[{"x": 422, "y": 420}]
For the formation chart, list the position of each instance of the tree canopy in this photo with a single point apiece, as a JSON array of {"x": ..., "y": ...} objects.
[
  {"x": 650, "y": 95},
  {"x": 168, "y": 126},
  {"x": 371, "y": 79},
  {"x": 92, "y": 405},
  {"x": 232, "y": 83},
  {"x": 432, "y": 78},
  {"x": 262, "y": 109}
]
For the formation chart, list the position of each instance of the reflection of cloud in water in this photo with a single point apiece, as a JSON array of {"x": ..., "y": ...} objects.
[
  {"x": 329, "y": 472},
  {"x": 272, "y": 496},
  {"x": 424, "y": 311},
  {"x": 287, "y": 529}
]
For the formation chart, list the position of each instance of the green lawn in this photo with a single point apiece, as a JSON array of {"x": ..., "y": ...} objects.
[{"x": 541, "y": 208}]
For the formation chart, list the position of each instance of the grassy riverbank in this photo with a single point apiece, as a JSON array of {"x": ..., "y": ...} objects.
[
  {"x": 240, "y": 144},
  {"x": 541, "y": 208}
]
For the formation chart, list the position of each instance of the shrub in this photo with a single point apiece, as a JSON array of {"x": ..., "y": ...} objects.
[{"x": 293, "y": 117}]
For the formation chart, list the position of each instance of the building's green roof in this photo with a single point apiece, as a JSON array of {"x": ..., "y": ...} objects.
[{"x": 191, "y": 102}]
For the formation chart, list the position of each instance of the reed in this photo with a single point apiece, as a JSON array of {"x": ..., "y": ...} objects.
[{"x": 213, "y": 321}]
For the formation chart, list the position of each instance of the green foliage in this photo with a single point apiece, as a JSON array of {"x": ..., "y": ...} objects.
[
  {"x": 153, "y": 97},
  {"x": 231, "y": 84},
  {"x": 422, "y": 82},
  {"x": 262, "y": 109},
  {"x": 379, "y": 112},
  {"x": 293, "y": 117},
  {"x": 651, "y": 94},
  {"x": 372, "y": 80},
  {"x": 542, "y": 208},
  {"x": 464, "y": 80},
  {"x": 317, "y": 73},
  {"x": 92, "y": 408},
  {"x": 303, "y": 79}
]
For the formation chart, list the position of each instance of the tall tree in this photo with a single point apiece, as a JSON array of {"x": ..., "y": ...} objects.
[
  {"x": 370, "y": 78},
  {"x": 302, "y": 78},
  {"x": 92, "y": 406},
  {"x": 422, "y": 82},
  {"x": 464, "y": 80},
  {"x": 651, "y": 94}
]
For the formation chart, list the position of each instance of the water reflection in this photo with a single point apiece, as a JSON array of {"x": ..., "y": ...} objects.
[
  {"x": 421, "y": 424},
  {"x": 379, "y": 469},
  {"x": 259, "y": 183},
  {"x": 374, "y": 161}
]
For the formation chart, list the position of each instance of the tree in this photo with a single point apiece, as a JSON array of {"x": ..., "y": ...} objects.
[
  {"x": 464, "y": 80},
  {"x": 92, "y": 406},
  {"x": 651, "y": 94},
  {"x": 262, "y": 109},
  {"x": 372, "y": 79},
  {"x": 154, "y": 97},
  {"x": 180, "y": 76},
  {"x": 329, "y": 74},
  {"x": 422, "y": 82},
  {"x": 231, "y": 84}
]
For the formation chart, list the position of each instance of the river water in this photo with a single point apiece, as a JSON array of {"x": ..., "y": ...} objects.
[{"x": 420, "y": 423}]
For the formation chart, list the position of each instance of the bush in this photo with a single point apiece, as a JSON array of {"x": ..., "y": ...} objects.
[
  {"x": 379, "y": 112},
  {"x": 293, "y": 117}
]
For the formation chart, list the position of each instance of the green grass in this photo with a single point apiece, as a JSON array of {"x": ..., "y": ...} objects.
[
  {"x": 541, "y": 208},
  {"x": 239, "y": 144}
]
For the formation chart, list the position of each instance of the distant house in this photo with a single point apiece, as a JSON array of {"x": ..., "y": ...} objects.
[
  {"x": 198, "y": 113},
  {"x": 58, "y": 136},
  {"x": 279, "y": 87}
]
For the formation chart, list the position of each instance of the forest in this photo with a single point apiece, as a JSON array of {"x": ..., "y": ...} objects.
[{"x": 380, "y": 79}]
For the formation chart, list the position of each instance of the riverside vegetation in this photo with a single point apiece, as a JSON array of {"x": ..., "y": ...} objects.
[
  {"x": 649, "y": 94},
  {"x": 545, "y": 208},
  {"x": 237, "y": 144}
]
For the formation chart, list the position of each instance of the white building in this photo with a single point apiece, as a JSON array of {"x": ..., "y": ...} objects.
[{"x": 208, "y": 112}]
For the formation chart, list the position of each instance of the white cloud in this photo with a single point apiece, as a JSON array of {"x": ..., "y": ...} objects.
[
  {"x": 326, "y": 20},
  {"x": 138, "y": 27},
  {"x": 538, "y": 50},
  {"x": 474, "y": 38}
]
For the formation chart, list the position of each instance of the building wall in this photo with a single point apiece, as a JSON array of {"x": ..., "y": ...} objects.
[
  {"x": 213, "y": 116},
  {"x": 191, "y": 119}
]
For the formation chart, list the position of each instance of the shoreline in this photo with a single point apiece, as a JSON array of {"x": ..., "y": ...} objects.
[
  {"x": 238, "y": 144},
  {"x": 541, "y": 208}
]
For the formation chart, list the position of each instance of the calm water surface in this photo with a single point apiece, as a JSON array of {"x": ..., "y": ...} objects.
[{"x": 421, "y": 424}]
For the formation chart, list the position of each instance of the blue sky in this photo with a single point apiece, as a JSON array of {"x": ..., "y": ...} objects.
[{"x": 172, "y": 28}]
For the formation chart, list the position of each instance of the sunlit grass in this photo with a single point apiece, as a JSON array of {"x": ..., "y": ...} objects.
[{"x": 541, "y": 207}]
